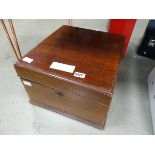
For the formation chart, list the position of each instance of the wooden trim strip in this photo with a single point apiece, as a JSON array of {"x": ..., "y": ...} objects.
[{"x": 75, "y": 117}]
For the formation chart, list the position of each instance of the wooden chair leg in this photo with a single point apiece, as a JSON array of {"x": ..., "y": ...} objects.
[{"x": 8, "y": 36}]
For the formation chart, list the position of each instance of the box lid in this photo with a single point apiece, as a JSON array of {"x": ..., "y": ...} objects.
[{"x": 85, "y": 57}]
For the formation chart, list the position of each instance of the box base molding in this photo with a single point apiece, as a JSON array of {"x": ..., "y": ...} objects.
[{"x": 78, "y": 118}]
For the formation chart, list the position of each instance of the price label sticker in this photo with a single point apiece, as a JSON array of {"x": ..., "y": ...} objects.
[
  {"x": 62, "y": 67},
  {"x": 80, "y": 75},
  {"x": 28, "y": 60},
  {"x": 27, "y": 83}
]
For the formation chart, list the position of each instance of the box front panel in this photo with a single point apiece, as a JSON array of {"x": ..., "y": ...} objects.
[
  {"x": 75, "y": 105},
  {"x": 63, "y": 85}
]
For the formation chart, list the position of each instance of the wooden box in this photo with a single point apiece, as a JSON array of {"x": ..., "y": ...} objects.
[{"x": 73, "y": 72}]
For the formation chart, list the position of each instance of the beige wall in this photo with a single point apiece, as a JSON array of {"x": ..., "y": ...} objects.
[
  {"x": 102, "y": 25},
  {"x": 139, "y": 30},
  {"x": 94, "y": 24}
]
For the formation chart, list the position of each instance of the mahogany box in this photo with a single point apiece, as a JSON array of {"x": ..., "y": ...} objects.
[{"x": 73, "y": 72}]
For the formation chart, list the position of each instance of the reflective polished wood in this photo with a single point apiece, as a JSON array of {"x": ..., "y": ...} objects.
[{"x": 96, "y": 54}]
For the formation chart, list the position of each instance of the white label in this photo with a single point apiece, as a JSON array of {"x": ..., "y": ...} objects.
[
  {"x": 62, "y": 67},
  {"x": 26, "y": 59},
  {"x": 80, "y": 75},
  {"x": 27, "y": 83}
]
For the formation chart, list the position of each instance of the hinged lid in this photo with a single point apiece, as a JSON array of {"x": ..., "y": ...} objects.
[{"x": 83, "y": 56}]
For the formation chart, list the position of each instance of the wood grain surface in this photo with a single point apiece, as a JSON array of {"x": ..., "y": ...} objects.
[{"x": 93, "y": 53}]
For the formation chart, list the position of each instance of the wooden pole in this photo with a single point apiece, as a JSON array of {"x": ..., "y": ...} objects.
[
  {"x": 14, "y": 36},
  {"x": 8, "y": 36},
  {"x": 69, "y": 22}
]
